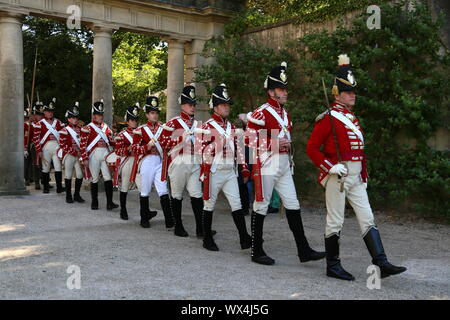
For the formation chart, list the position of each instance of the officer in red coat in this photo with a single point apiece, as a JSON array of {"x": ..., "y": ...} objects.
[
  {"x": 343, "y": 173},
  {"x": 269, "y": 134}
]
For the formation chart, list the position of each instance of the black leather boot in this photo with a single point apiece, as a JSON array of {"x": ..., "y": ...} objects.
[
  {"x": 145, "y": 216},
  {"x": 94, "y": 196},
  {"x": 123, "y": 205},
  {"x": 68, "y": 184},
  {"x": 334, "y": 267},
  {"x": 37, "y": 177},
  {"x": 76, "y": 195},
  {"x": 305, "y": 253},
  {"x": 208, "y": 240},
  {"x": 176, "y": 211},
  {"x": 197, "y": 208},
  {"x": 109, "y": 196},
  {"x": 244, "y": 238},
  {"x": 58, "y": 180},
  {"x": 166, "y": 207},
  {"x": 46, "y": 182},
  {"x": 258, "y": 254},
  {"x": 375, "y": 247}
]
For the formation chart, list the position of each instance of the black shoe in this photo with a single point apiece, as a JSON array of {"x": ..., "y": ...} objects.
[
  {"x": 334, "y": 267},
  {"x": 258, "y": 254},
  {"x": 144, "y": 211},
  {"x": 208, "y": 240},
  {"x": 166, "y": 207},
  {"x": 244, "y": 238},
  {"x": 145, "y": 224},
  {"x": 305, "y": 253},
  {"x": 123, "y": 206},
  {"x": 94, "y": 196},
  {"x": 76, "y": 195},
  {"x": 152, "y": 214},
  {"x": 68, "y": 184},
  {"x": 109, "y": 196},
  {"x": 376, "y": 250},
  {"x": 58, "y": 180},
  {"x": 176, "y": 211},
  {"x": 45, "y": 182},
  {"x": 209, "y": 244}
]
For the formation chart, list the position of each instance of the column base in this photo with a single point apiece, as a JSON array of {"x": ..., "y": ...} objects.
[{"x": 22, "y": 192}]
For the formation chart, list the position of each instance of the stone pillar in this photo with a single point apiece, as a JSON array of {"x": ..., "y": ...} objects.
[
  {"x": 194, "y": 59},
  {"x": 175, "y": 76},
  {"x": 102, "y": 71},
  {"x": 11, "y": 105}
]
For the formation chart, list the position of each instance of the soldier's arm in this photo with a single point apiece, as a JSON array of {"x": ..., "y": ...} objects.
[
  {"x": 168, "y": 139},
  {"x": 120, "y": 147},
  {"x": 37, "y": 137},
  {"x": 240, "y": 152},
  {"x": 206, "y": 144},
  {"x": 256, "y": 136},
  {"x": 138, "y": 142},
  {"x": 84, "y": 136},
  {"x": 318, "y": 137}
]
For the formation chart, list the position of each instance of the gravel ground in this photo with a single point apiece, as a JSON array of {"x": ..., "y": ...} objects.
[{"x": 41, "y": 236}]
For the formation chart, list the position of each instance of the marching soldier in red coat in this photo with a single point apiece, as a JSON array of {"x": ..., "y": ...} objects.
[
  {"x": 221, "y": 153},
  {"x": 182, "y": 160},
  {"x": 69, "y": 143},
  {"x": 123, "y": 149},
  {"x": 150, "y": 153},
  {"x": 37, "y": 116},
  {"x": 26, "y": 146},
  {"x": 96, "y": 142},
  {"x": 269, "y": 134},
  {"x": 343, "y": 173},
  {"x": 46, "y": 142}
]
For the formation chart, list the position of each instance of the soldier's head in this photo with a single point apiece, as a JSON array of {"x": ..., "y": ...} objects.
[
  {"x": 26, "y": 114},
  {"x": 72, "y": 114},
  {"x": 276, "y": 84},
  {"x": 132, "y": 116},
  {"x": 49, "y": 109},
  {"x": 38, "y": 110},
  {"x": 220, "y": 101},
  {"x": 152, "y": 109},
  {"x": 98, "y": 109},
  {"x": 187, "y": 100},
  {"x": 344, "y": 83}
]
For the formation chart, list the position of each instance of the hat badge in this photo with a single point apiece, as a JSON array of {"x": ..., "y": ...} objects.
[
  {"x": 283, "y": 76},
  {"x": 154, "y": 102},
  {"x": 350, "y": 77},
  {"x": 192, "y": 94},
  {"x": 75, "y": 110},
  {"x": 135, "y": 112},
  {"x": 225, "y": 93},
  {"x": 100, "y": 107}
]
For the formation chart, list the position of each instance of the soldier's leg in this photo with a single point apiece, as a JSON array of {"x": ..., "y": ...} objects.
[
  {"x": 178, "y": 175},
  {"x": 164, "y": 199},
  {"x": 146, "y": 172},
  {"x": 58, "y": 168},
  {"x": 36, "y": 170},
  {"x": 94, "y": 168},
  {"x": 194, "y": 188},
  {"x": 125, "y": 173},
  {"x": 78, "y": 181},
  {"x": 358, "y": 199},
  {"x": 335, "y": 202},
  {"x": 46, "y": 166},
  {"x": 107, "y": 182},
  {"x": 69, "y": 163},
  {"x": 231, "y": 191}
]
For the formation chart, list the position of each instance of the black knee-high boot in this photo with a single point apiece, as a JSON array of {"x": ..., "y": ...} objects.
[
  {"x": 37, "y": 177},
  {"x": 76, "y": 195},
  {"x": 68, "y": 184},
  {"x": 94, "y": 195},
  {"x": 305, "y": 253},
  {"x": 123, "y": 205},
  {"x": 58, "y": 180},
  {"x": 144, "y": 211},
  {"x": 176, "y": 211},
  {"x": 208, "y": 240},
  {"x": 109, "y": 196},
  {"x": 197, "y": 207},
  {"x": 258, "y": 254},
  {"x": 239, "y": 220},
  {"x": 46, "y": 182},
  {"x": 166, "y": 207},
  {"x": 376, "y": 250},
  {"x": 334, "y": 267}
]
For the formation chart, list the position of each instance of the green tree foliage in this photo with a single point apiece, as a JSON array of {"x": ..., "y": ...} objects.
[{"x": 402, "y": 73}]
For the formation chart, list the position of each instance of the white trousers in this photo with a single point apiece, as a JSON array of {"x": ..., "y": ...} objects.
[
  {"x": 49, "y": 154},
  {"x": 97, "y": 163},
  {"x": 225, "y": 180},
  {"x": 185, "y": 173},
  {"x": 276, "y": 174},
  {"x": 151, "y": 175},
  {"x": 125, "y": 173},
  {"x": 71, "y": 162},
  {"x": 356, "y": 194}
]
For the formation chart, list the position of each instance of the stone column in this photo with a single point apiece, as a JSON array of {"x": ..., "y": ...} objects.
[
  {"x": 175, "y": 76},
  {"x": 102, "y": 70},
  {"x": 11, "y": 105}
]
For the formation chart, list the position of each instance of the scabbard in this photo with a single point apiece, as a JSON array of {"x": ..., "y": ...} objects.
[
  {"x": 117, "y": 171},
  {"x": 134, "y": 168},
  {"x": 257, "y": 181},
  {"x": 205, "y": 177},
  {"x": 165, "y": 165}
]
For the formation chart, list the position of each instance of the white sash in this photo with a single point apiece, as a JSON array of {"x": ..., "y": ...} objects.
[
  {"x": 186, "y": 128},
  {"x": 283, "y": 122},
  {"x": 348, "y": 123},
  {"x": 100, "y": 134},
  {"x": 227, "y": 136},
  {"x": 129, "y": 138},
  {"x": 50, "y": 130},
  {"x": 155, "y": 137},
  {"x": 74, "y": 135}
]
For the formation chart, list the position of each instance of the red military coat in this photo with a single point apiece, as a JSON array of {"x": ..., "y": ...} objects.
[
  {"x": 67, "y": 143},
  {"x": 88, "y": 135},
  {"x": 26, "y": 134},
  {"x": 141, "y": 139},
  {"x": 40, "y": 132},
  {"x": 350, "y": 146}
]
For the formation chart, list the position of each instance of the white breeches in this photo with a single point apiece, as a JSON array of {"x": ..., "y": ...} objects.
[
  {"x": 355, "y": 192},
  {"x": 151, "y": 175},
  {"x": 226, "y": 180},
  {"x": 276, "y": 174},
  {"x": 185, "y": 173},
  {"x": 97, "y": 163},
  {"x": 71, "y": 162},
  {"x": 49, "y": 155},
  {"x": 125, "y": 173}
]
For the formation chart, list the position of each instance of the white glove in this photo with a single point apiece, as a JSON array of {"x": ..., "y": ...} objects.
[
  {"x": 338, "y": 169},
  {"x": 25, "y": 154}
]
